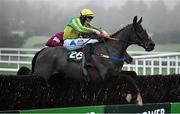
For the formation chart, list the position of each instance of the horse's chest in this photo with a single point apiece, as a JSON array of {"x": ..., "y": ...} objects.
[{"x": 112, "y": 70}]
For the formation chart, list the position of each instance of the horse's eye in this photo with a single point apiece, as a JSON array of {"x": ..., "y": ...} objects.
[{"x": 140, "y": 30}]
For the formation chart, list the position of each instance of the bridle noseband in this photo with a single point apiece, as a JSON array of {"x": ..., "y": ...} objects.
[{"x": 140, "y": 42}]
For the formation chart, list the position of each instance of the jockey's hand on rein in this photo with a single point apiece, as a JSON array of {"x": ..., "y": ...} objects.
[
  {"x": 97, "y": 32},
  {"x": 104, "y": 34}
]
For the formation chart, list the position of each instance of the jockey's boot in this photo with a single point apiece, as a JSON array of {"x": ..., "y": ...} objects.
[{"x": 87, "y": 53}]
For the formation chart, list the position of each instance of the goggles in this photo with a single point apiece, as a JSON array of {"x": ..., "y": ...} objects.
[{"x": 89, "y": 17}]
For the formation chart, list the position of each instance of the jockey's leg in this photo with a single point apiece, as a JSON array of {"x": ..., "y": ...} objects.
[
  {"x": 88, "y": 55},
  {"x": 88, "y": 52},
  {"x": 73, "y": 44}
]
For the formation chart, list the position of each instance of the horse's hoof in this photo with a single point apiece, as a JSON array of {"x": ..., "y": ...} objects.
[
  {"x": 139, "y": 100},
  {"x": 129, "y": 97}
]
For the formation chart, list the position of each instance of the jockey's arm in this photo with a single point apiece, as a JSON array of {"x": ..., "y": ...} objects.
[
  {"x": 77, "y": 26},
  {"x": 96, "y": 28},
  {"x": 102, "y": 33}
]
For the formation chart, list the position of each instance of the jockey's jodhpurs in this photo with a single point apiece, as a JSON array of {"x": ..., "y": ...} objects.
[{"x": 73, "y": 44}]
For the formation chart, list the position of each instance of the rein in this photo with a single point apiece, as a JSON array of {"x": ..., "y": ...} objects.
[
  {"x": 140, "y": 42},
  {"x": 111, "y": 38},
  {"x": 113, "y": 58},
  {"x": 115, "y": 39}
]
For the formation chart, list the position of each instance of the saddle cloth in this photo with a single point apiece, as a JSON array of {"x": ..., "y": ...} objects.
[{"x": 75, "y": 56}]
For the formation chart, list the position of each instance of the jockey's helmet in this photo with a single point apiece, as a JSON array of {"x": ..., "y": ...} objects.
[{"x": 87, "y": 13}]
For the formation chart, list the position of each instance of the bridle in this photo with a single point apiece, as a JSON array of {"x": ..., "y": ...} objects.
[{"x": 138, "y": 39}]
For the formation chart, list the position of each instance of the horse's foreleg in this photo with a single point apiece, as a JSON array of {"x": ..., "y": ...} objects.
[
  {"x": 139, "y": 99},
  {"x": 129, "y": 97},
  {"x": 131, "y": 77}
]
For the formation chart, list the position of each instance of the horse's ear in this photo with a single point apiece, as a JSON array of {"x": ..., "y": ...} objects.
[
  {"x": 139, "y": 22},
  {"x": 135, "y": 20}
]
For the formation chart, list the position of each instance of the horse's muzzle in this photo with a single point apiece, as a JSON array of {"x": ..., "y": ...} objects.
[{"x": 150, "y": 46}]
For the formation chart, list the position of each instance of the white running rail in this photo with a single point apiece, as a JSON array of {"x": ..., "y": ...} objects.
[
  {"x": 156, "y": 63},
  {"x": 144, "y": 63},
  {"x": 11, "y": 59}
]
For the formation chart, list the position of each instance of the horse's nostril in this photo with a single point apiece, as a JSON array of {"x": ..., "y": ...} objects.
[{"x": 151, "y": 44}]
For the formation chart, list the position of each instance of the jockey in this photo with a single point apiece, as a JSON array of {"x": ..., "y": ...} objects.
[
  {"x": 55, "y": 40},
  {"x": 78, "y": 26}
]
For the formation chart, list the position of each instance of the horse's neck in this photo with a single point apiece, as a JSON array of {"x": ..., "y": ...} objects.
[{"x": 118, "y": 47}]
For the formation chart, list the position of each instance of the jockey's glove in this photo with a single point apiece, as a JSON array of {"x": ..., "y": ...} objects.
[
  {"x": 104, "y": 34},
  {"x": 97, "y": 32}
]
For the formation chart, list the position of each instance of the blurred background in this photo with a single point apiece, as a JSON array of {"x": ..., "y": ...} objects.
[{"x": 29, "y": 23}]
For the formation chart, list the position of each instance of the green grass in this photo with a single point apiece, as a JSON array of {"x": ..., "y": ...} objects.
[
  {"x": 11, "y": 66},
  {"x": 7, "y": 73}
]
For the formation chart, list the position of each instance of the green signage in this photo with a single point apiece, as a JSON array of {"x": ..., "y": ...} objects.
[
  {"x": 175, "y": 108},
  {"x": 145, "y": 109},
  {"x": 78, "y": 110},
  {"x": 162, "y": 108}
]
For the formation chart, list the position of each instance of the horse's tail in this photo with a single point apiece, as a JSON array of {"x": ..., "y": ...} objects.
[{"x": 34, "y": 60}]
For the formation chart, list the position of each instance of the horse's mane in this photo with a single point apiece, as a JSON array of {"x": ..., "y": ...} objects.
[{"x": 120, "y": 30}]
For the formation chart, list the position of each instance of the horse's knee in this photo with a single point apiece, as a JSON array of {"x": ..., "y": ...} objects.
[{"x": 133, "y": 74}]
